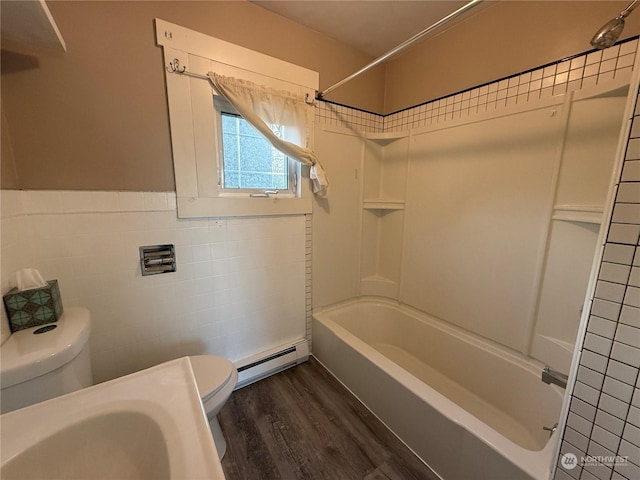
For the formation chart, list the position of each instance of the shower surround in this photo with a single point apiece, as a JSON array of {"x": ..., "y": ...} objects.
[{"x": 373, "y": 188}]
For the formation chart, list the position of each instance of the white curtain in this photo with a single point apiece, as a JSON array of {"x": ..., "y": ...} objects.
[{"x": 267, "y": 110}]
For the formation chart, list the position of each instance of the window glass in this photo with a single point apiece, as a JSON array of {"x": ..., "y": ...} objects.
[{"x": 250, "y": 161}]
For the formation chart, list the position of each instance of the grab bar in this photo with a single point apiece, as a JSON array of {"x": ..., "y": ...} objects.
[{"x": 550, "y": 376}]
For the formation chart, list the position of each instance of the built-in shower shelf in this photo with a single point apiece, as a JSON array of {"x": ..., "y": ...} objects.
[
  {"x": 385, "y": 138},
  {"x": 578, "y": 213},
  {"x": 380, "y": 204}
]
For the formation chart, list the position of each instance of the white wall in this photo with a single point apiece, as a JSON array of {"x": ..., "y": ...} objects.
[
  {"x": 477, "y": 208},
  {"x": 240, "y": 286}
]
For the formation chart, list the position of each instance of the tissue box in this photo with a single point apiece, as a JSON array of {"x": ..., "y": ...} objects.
[{"x": 30, "y": 308}]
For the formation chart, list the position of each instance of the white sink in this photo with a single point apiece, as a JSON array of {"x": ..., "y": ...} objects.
[{"x": 148, "y": 425}]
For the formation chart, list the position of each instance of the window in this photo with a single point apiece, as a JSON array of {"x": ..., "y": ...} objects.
[
  {"x": 247, "y": 163},
  {"x": 222, "y": 167}
]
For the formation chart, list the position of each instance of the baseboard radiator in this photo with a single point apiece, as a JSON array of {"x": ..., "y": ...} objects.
[{"x": 272, "y": 361}]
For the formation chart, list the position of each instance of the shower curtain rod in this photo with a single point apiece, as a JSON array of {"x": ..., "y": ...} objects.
[{"x": 400, "y": 47}]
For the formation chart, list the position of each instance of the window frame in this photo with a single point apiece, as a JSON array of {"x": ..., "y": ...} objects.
[{"x": 195, "y": 144}]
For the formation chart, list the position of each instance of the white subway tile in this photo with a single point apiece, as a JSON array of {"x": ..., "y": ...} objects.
[
  {"x": 581, "y": 424},
  {"x": 616, "y": 253},
  {"x": 610, "y": 423},
  {"x": 626, "y": 213},
  {"x": 617, "y": 389},
  {"x": 606, "y": 75},
  {"x": 628, "y": 335},
  {"x": 630, "y": 316},
  {"x": 631, "y": 168},
  {"x": 155, "y": 201},
  {"x": 604, "y": 439},
  {"x": 624, "y": 233},
  {"x": 631, "y": 434},
  {"x": 593, "y": 361},
  {"x": 600, "y": 326},
  {"x": 628, "y": 470},
  {"x": 610, "y": 291},
  {"x": 628, "y": 192},
  {"x": 576, "y": 439},
  {"x": 614, "y": 272},
  {"x": 628, "y": 47},
  {"x": 597, "y": 344},
  {"x": 563, "y": 66},
  {"x": 634, "y": 416},
  {"x": 605, "y": 309},
  {"x": 622, "y": 371},
  {"x": 629, "y": 450},
  {"x": 586, "y": 393},
  {"x": 105, "y": 201},
  {"x": 613, "y": 406},
  {"x": 76, "y": 201},
  {"x": 625, "y": 354},
  {"x": 632, "y": 296},
  {"x": 131, "y": 201},
  {"x": 590, "y": 377}
]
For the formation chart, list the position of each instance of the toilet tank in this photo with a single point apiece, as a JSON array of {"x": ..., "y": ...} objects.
[{"x": 38, "y": 366}]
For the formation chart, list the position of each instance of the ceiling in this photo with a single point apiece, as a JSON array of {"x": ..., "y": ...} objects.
[{"x": 372, "y": 26}]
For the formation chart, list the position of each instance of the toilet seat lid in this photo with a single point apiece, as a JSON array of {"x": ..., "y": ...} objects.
[{"x": 212, "y": 373}]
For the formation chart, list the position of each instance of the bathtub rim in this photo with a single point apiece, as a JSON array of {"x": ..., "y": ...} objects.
[{"x": 527, "y": 460}]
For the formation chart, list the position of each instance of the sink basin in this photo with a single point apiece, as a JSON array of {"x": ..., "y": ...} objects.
[{"x": 148, "y": 425}]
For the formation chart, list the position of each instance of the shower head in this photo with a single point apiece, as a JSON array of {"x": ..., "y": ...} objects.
[{"x": 610, "y": 31}]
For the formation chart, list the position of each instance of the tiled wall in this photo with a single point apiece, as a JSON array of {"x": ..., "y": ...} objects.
[
  {"x": 339, "y": 115},
  {"x": 602, "y": 436},
  {"x": 240, "y": 287},
  {"x": 564, "y": 76}
]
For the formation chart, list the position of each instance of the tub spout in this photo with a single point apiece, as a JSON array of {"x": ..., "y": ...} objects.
[{"x": 550, "y": 376}]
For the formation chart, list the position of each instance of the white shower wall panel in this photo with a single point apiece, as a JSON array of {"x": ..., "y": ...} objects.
[
  {"x": 476, "y": 218},
  {"x": 337, "y": 218}
]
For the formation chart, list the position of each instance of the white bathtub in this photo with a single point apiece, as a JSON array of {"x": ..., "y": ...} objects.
[{"x": 468, "y": 408}]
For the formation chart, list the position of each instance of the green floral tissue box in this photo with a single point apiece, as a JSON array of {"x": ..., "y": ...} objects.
[{"x": 31, "y": 308}]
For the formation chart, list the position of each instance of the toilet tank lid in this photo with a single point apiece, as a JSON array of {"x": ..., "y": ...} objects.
[
  {"x": 211, "y": 372},
  {"x": 26, "y": 355}
]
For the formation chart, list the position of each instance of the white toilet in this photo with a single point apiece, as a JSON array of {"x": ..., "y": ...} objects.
[
  {"x": 40, "y": 363},
  {"x": 216, "y": 377}
]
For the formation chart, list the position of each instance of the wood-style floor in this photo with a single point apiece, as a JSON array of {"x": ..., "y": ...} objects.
[{"x": 303, "y": 424}]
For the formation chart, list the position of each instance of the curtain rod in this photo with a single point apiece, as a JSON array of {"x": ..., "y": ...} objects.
[
  {"x": 174, "y": 67},
  {"x": 402, "y": 46}
]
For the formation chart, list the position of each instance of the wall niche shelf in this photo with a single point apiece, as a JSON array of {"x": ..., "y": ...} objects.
[
  {"x": 383, "y": 139},
  {"x": 31, "y": 23},
  {"x": 578, "y": 213},
  {"x": 384, "y": 189},
  {"x": 383, "y": 205}
]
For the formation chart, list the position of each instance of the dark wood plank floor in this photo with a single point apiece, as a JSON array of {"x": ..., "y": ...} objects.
[{"x": 303, "y": 424}]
